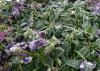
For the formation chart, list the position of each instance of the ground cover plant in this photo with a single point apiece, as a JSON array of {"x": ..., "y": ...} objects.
[{"x": 54, "y": 35}]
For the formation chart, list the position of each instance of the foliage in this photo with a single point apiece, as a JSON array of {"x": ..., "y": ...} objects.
[{"x": 70, "y": 31}]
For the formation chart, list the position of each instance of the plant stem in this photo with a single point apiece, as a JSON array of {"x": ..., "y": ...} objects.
[
  {"x": 20, "y": 66},
  {"x": 81, "y": 55}
]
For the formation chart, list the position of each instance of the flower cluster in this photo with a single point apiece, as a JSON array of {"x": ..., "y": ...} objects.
[{"x": 19, "y": 48}]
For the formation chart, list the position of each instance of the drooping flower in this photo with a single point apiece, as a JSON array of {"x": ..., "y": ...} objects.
[
  {"x": 85, "y": 64},
  {"x": 22, "y": 45},
  {"x": 35, "y": 44},
  {"x": 2, "y": 36},
  {"x": 26, "y": 60},
  {"x": 16, "y": 47}
]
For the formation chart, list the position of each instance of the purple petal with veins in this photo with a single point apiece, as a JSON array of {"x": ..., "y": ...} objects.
[
  {"x": 33, "y": 45},
  {"x": 26, "y": 60},
  {"x": 41, "y": 34},
  {"x": 42, "y": 42}
]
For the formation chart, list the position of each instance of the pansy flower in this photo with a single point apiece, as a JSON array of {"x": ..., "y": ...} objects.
[
  {"x": 35, "y": 44},
  {"x": 42, "y": 42},
  {"x": 17, "y": 47}
]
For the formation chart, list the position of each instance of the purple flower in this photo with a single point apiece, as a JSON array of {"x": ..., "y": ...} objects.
[
  {"x": 17, "y": 47},
  {"x": 17, "y": 8},
  {"x": 26, "y": 60},
  {"x": 42, "y": 42},
  {"x": 96, "y": 9},
  {"x": 9, "y": 45},
  {"x": 35, "y": 44},
  {"x": 41, "y": 34},
  {"x": 2, "y": 36},
  {"x": 85, "y": 64},
  {"x": 22, "y": 45},
  {"x": 16, "y": 12}
]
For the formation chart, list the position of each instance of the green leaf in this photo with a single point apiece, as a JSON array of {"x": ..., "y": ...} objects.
[
  {"x": 57, "y": 52},
  {"x": 89, "y": 29},
  {"x": 48, "y": 62},
  {"x": 53, "y": 14},
  {"x": 73, "y": 63},
  {"x": 66, "y": 46},
  {"x": 84, "y": 51},
  {"x": 98, "y": 42},
  {"x": 98, "y": 65},
  {"x": 28, "y": 67}
]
